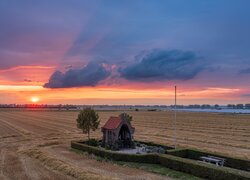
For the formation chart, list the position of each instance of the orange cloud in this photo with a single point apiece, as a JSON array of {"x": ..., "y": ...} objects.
[
  {"x": 11, "y": 88},
  {"x": 25, "y": 67},
  {"x": 116, "y": 95},
  {"x": 25, "y": 75}
]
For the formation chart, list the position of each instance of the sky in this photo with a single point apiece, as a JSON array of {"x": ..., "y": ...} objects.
[{"x": 124, "y": 52}]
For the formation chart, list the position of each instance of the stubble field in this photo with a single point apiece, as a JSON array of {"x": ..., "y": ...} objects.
[{"x": 36, "y": 144}]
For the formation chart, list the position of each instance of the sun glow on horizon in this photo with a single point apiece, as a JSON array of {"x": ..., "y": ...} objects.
[
  {"x": 33, "y": 94},
  {"x": 35, "y": 99}
]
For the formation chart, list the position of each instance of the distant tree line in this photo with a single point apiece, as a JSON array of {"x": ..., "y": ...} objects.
[
  {"x": 238, "y": 106},
  {"x": 216, "y": 106},
  {"x": 45, "y": 106},
  {"x": 129, "y": 107}
]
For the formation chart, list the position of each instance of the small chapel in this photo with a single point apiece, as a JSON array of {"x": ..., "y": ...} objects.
[{"x": 118, "y": 132}]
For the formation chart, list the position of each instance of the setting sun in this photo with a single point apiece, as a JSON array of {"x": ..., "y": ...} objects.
[{"x": 34, "y": 99}]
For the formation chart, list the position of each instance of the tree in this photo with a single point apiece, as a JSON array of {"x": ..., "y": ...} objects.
[
  {"x": 240, "y": 106},
  {"x": 126, "y": 117},
  {"x": 216, "y": 106},
  {"x": 87, "y": 120},
  {"x": 247, "y": 106}
]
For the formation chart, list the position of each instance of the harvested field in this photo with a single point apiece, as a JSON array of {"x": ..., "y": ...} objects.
[{"x": 34, "y": 143}]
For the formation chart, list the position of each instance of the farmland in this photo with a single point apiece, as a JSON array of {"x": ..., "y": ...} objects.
[{"x": 36, "y": 144}]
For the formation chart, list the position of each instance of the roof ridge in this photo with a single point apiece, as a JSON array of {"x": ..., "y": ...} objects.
[{"x": 112, "y": 123}]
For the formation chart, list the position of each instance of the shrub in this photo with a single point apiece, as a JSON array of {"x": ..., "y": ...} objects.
[
  {"x": 196, "y": 168},
  {"x": 236, "y": 163},
  {"x": 201, "y": 169},
  {"x": 92, "y": 142},
  {"x": 194, "y": 154},
  {"x": 132, "y": 144},
  {"x": 153, "y": 144},
  {"x": 143, "y": 158},
  {"x": 178, "y": 152}
]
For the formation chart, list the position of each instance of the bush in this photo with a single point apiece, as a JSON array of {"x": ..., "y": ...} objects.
[
  {"x": 178, "y": 152},
  {"x": 92, "y": 142},
  {"x": 200, "y": 169},
  {"x": 196, "y": 168},
  {"x": 153, "y": 144},
  {"x": 111, "y": 146},
  {"x": 141, "y": 158},
  {"x": 236, "y": 163},
  {"x": 194, "y": 154}
]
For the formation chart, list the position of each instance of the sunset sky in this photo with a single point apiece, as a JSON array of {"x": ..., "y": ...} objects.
[{"x": 124, "y": 52}]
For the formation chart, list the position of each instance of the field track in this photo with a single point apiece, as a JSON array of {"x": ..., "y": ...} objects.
[
  {"x": 32, "y": 143},
  {"x": 36, "y": 145},
  {"x": 224, "y": 133}
]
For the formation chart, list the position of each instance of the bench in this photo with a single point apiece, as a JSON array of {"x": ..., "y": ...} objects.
[{"x": 213, "y": 159}]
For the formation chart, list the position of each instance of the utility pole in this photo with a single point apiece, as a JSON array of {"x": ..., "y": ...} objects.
[{"x": 175, "y": 118}]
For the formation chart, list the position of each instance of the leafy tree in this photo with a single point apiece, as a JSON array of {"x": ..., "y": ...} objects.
[
  {"x": 126, "y": 116},
  {"x": 87, "y": 120}
]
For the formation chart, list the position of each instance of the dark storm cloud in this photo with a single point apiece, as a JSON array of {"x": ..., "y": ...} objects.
[
  {"x": 63, "y": 32},
  {"x": 159, "y": 65},
  {"x": 89, "y": 75}
]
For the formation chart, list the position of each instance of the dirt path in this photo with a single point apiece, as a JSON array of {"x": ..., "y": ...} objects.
[
  {"x": 35, "y": 144},
  {"x": 36, "y": 171},
  {"x": 91, "y": 164},
  {"x": 37, "y": 152},
  {"x": 2, "y": 159}
]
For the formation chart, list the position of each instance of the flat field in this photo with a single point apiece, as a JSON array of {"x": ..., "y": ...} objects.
[{"x": 36, "y": 144}]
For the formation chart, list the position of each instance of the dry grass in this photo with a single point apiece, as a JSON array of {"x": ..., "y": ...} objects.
[
  {"x": 225, "y": 133},
  {"x": 61, "y": 166},
  {"x": 46, "y": 136},
  {"x": 49, "y": 143}
]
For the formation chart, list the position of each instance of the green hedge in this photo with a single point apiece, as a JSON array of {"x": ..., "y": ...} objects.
[
  {"x": 236, "y": 163},
  {"x": 201, "y": 169},
  {"x": 141, "y": 158},
  {"x": 178, "y": 152},
  {"x": 170, "y": 160},
  {"x": 148, "y": 143},
  {"x": 194, "y": 154}
]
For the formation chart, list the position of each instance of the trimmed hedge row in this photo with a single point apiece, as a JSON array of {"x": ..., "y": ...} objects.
[
  {"x": 235, "y": 163},
  {"x": 202, "y": 169},
  {"x": 196, "y": 168},
  {"x": 148, "y": 143},
  {"x": 147, "y": 158},
  {"x": 178, "y": 152}
]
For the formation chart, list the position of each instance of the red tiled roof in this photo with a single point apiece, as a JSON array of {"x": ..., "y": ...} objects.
[{"x": 112, "y": 123}]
